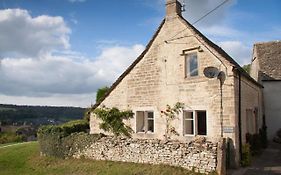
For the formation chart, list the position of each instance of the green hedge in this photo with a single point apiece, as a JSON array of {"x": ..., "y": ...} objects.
[
  {"x": 62, "y": 140},
  {"x": 9, "y": 137},
  {"x": 64, "y": 129}
]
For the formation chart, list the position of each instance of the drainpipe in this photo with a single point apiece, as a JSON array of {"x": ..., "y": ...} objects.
[
  {"x": 221, "y": 112},
  {"x": 239, "y": 116}
]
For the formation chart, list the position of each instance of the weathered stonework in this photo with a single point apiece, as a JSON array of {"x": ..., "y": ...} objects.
[
  {"x": 159, "y": 78},
  {"x": 200, "y": 156}
]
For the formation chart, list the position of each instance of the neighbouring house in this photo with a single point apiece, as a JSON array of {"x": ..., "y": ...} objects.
[
  {"x": 175, "y": 67},
  {"x": 266, "y": 69}
]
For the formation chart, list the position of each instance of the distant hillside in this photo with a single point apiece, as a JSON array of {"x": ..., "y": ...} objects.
[{"x": 10, "y": 114}]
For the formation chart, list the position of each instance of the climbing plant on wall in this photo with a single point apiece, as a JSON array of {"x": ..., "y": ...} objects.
[
  {"x": 170, "y": 114},
  {"x": 112, "y": 120}
]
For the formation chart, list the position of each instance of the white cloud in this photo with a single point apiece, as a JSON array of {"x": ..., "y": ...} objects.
[
  {"x": 54, "y": 77},
  {"x": 237, "y": 50},
  {"x": 37, "y": 66},
  {"x": 115, "y": 60},
  {"x": 24, "y": 35}
]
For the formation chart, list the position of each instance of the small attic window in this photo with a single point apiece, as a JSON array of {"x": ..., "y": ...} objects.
[{"x": 191, "y": 65}]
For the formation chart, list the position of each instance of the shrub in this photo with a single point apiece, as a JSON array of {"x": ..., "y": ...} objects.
[
  {"x": 75, "y": 126},
  {"x": 254, "y": 140},
  {"x": 246, "y": 155},
  {"x": 65, "y": 129},
  {"x": 257, "y": 141},
  {"x": 51, "y": 137},
  {"x": 9, "y": 137}
]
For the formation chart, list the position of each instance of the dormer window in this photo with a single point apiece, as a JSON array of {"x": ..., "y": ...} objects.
[{"x": 191, "y": 65}]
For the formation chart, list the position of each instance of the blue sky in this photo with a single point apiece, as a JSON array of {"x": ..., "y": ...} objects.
[{"x": 58, "y": 52}]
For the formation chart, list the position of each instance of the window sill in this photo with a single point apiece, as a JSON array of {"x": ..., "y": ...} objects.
[
  {"x": 143, "y": 133},
  {"x": 186, "y": 135},
  {"x": 192, "y": 77}
]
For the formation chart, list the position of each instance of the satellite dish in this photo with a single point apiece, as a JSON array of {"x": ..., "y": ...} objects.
[{"x": 211, "y": 72}]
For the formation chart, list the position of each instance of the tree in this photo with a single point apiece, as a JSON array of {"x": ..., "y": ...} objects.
[
  {"x": 170, "y": 114},
  {"x": 101, "y": 93},
  {"x": 112, "y": 120},
  {"x": 247, "y": 68}
]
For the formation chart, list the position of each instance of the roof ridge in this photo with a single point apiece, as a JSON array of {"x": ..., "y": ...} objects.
[{"x": 267, "y": 42}]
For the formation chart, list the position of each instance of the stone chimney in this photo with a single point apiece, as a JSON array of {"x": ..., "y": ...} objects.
[{"x": 173, "y": 8}]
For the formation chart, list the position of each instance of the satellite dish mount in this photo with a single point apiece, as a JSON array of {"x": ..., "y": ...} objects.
[{"x": 213, "y": 72}]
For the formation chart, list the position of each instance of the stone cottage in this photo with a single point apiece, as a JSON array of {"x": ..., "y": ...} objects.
[
  {"x": 266, "y": 69},
  {"x": 177, "y": 66}
]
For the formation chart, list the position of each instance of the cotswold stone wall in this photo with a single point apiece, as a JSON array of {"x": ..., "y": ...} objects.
[{"x": 200, "y": 156}]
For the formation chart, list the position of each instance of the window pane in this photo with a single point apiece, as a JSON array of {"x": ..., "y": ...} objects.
[
  {"x": 150, "y": 127},
  {"x": 140, "y": 122},
  {"x": 150, "y": 122},
  {"x": 201, "y": 123},
  {"x": 150, "y": 115},
  {"x": 188, "y": 115},
  {"x": 188, "y": 127},
  {"x": 193, "y": 65}
]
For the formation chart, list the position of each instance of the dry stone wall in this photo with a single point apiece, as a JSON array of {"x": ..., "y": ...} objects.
[{"x": 200, "y": 156}]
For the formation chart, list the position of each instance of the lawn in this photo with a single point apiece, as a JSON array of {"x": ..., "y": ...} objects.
[{"x": 25, "y": 159}]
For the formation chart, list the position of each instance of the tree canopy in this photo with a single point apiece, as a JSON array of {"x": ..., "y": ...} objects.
[
  {"x": 101, "y": 93},
  {"x": 247, "y": 68}
]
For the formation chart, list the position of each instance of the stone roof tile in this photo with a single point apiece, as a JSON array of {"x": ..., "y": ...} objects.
[{"x": 269, "y": 56}]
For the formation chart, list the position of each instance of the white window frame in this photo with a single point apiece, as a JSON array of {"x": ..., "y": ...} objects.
[
  {"x": 146, "y": 119},
  {"x": 195, "y": 121}
]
